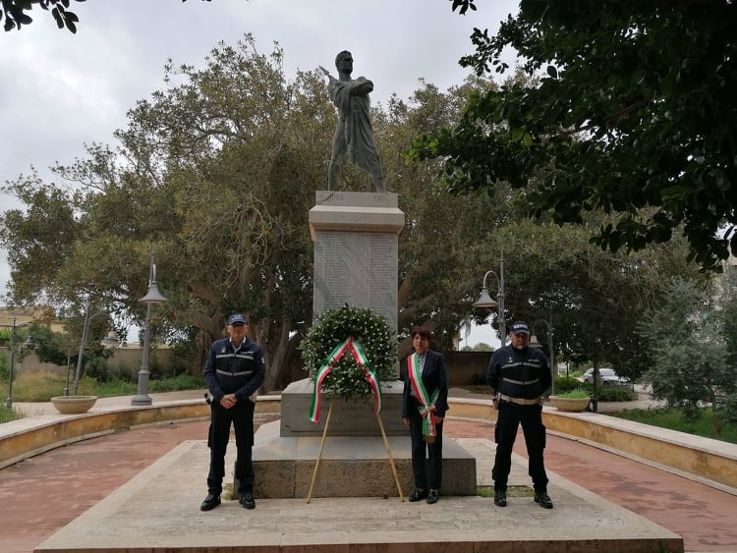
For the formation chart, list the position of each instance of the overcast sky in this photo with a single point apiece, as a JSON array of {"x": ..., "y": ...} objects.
[{"x": 61, "y": 90}]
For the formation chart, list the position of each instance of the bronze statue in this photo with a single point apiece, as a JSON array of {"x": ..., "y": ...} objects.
[{"x": 354, "y": 136}]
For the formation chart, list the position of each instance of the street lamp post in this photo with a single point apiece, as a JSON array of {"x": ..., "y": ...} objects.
[
  {"x": 485, "y": 301},
  {"x": 153, "y": 296}
]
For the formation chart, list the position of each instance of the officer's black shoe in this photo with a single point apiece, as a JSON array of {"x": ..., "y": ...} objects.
[
  {"x": 211, "y": 501},
  {"x": 246, "y": 499},
  {"x": 543, "y": 500},
  {"x": 417, "y": 494},
  {"x": 500, "y": 498},
  {"x": 433, "y": 496}
]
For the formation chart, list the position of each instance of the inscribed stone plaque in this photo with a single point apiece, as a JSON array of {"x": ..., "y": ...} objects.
[{"x": 357, "y": 268}]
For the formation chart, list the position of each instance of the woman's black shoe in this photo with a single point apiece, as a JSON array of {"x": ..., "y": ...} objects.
[
  {"x": 500, "y": 498},
  {"x": 246, "y": 499},
  {"x": 543, "y": 500},
  {"x": 417, "y": 494},
  {"x": 211, "y": 501},
  {"x": 433, "y": 497}
]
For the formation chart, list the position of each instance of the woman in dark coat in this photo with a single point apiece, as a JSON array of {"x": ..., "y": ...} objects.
[{"x": 424, "y": 403}]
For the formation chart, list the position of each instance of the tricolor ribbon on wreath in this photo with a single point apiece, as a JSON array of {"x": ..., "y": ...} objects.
[
  {"x": 354, "y": 347},
  {"x": 427, "y": 408}
]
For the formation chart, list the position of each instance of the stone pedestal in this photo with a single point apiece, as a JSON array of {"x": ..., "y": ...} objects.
[{"x": 356, "y": 237}]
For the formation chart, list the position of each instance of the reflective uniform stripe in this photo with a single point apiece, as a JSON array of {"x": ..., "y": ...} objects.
[
  {"x": 521, "y": 382},
  {"x": 228, "y": 373}
]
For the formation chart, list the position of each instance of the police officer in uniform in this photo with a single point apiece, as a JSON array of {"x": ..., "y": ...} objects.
[
  {"x": 233, "y": 372},
  {"x": 519, "y": 376}
]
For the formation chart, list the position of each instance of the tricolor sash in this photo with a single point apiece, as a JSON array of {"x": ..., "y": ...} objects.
[
  {"x": 427, "y": 408},
  {"x": 353, "y": 346}
]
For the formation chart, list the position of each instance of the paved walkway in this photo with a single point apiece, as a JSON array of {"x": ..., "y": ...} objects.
[{"x": 44, "y": 493}]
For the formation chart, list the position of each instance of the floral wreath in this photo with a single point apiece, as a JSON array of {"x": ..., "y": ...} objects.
[{"x": 376, "y": 347}]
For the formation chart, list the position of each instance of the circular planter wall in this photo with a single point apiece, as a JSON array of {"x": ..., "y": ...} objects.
[{"x": 72, "y": 405}]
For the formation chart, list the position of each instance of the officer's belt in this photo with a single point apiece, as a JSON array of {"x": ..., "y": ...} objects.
[{"x": 518, "y": 400}]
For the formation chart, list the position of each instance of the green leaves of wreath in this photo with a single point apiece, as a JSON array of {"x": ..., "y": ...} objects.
[{"x": 348, "y": 380}]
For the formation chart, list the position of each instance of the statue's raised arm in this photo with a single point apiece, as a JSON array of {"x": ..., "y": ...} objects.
[
  {"x": 327, "y": 73},
  {"x": 354, "y": 137}
]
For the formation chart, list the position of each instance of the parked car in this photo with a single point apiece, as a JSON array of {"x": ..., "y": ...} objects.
[{"x": 607, "y": 377}]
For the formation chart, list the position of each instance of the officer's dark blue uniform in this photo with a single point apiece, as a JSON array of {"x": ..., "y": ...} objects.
[
  {"x": 232, "y": 368},
  {"x": 519, "y": 376}
]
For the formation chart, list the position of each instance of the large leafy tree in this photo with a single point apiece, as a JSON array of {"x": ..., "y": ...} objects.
[
  {"x": 633, "y": 111},
  {"x": 217, "y": 173}
]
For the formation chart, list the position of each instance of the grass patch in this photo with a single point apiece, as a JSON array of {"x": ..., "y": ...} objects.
[
  {"x": 114, "y": 388},
  {"x": 706, "y": 425},
  {"x": 42, "y": 386},
  {"x": 7, "y": 415},
  {"x": 177, "y": 383},
  {"x": 576, "y": 393}
]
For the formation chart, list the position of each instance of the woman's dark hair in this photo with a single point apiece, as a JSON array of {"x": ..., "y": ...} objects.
[{"x": 422, "y": 331}]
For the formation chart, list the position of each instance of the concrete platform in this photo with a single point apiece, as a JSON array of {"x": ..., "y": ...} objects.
[{"x": 157, "y": 511}]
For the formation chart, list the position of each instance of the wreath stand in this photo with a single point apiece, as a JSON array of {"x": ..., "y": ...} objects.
[{"x": 322, "y": 445}]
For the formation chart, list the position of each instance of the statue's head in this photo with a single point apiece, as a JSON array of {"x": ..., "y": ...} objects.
[{"x": 344, "y": 62}]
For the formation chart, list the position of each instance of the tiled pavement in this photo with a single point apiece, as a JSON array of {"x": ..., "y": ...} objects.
[{"x": 44, "y": 493}]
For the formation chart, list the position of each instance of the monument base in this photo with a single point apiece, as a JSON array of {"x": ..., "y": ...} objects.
[{"x": 355, "y": 466}]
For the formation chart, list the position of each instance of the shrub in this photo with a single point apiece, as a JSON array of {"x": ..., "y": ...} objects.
[
  {"x": 4, "y": 367},
  {"x": 566, "y": 384},
  {"x": 613, "y": 393}
]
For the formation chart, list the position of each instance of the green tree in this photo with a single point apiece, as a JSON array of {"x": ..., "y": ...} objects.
[
  {"x": 217, "y": 173},
  {"x": 592, "y": 298},
  {"x": 633, "y": 111},
  {"x": 689, "y": 354},
  {"x": 727, "y": 301}
]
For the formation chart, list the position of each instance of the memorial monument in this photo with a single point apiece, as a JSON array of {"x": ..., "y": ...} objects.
[{"x": 356, "y": 248}]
